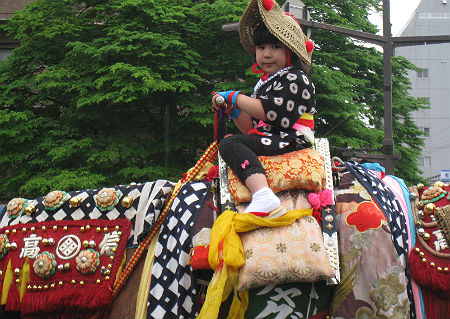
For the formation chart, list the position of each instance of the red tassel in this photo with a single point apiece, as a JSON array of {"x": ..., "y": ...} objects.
[
  {"x": 318, "y": 216},
  {"x": 67, "y": 300},
  {"x": 13, "y": 301},
  {"x": 434, "y": 306},
  {"x": 427, "y": 276}
]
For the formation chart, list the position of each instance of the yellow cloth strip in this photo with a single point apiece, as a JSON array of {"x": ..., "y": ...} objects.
[
  {"x": 144, "y": 287},
  {"x": 24, "y": 278},
  {"x": 214, "y": 295},
  {"x": 226, "y": 229},
  {"x": 307, "y": 116},
  {"x": 7, "y": 281}
]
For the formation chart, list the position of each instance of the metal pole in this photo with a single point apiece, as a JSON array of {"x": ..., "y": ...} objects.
[{"x": 388, "y": 143}]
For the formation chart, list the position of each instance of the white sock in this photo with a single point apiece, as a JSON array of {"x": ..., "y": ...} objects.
[{"x": 263, "y": 200}]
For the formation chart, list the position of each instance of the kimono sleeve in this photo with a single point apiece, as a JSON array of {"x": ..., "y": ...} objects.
[{"x": 287, "y": 97}]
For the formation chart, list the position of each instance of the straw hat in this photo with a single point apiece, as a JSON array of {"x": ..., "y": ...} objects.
[{"x": 283, "y": 26}]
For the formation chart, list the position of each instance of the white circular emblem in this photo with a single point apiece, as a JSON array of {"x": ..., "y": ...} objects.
[
  {"x": 294, "y": 88},
  {"x": 68, "y": 247},
  {"x": 306, "y": 95},
  {"x": 291, "y": 77},
  {"x": 271, "y": 115},
  {"x": 285, "y": 122},
  {"x": 301, "y": 109},
  {"x": 278, "y": 100},
  {"x": 290, "y": 105},
  {"x": 266, "y": 141},
  {"x": 305, "y": 79}
]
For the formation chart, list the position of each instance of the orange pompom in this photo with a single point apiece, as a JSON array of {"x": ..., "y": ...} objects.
[
  {"x": 309, "y": 46},
  {"x": 268, "y": 4}
]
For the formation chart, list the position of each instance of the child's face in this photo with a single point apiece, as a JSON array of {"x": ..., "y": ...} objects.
[{"x": 271, "y": 57}]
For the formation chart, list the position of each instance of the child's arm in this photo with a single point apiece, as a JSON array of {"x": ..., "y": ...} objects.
[
  {"x": 244, "y": 122},
  {"x": 251, "y": 106}
]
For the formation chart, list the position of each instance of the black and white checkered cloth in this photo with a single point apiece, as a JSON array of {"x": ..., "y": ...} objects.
[
  {"x": 149, "y": 199},
  {"x": 173, "y": 288}
]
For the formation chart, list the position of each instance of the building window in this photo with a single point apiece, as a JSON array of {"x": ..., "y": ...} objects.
[
  {"x": 423, "y": 73},
  {"x": 4, "y": 53},
  {"x": 425, "y": 161},
  {"x": 425, "y": 131}
]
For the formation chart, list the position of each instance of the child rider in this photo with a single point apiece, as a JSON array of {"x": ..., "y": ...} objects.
[{"x": 277, "y": 118}]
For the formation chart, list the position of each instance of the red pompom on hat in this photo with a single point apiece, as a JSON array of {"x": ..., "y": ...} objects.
[
  {"x": 309, "y": 46},
  {"x": 268, "y": 4}
]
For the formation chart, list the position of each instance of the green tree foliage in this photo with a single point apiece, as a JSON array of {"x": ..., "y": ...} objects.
[
  {"x": 108, "y": 92},
  {"x": 87, "y": 95}
]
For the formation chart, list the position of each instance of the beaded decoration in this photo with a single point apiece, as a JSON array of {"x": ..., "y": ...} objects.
[
  {"x": 16, "y": 207},
  {"x": 55, "y": 199}
]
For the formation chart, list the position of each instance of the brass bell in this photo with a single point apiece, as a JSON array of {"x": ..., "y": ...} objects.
[
  {"x": 75, "y": 202},
  {"x": 30, "y": 209},
  {"x": 426, "y": 236},
  {"x": 127, "y": 201},
  {"x": 420, "y": 186},
  {"x": 429, "y": 208}
]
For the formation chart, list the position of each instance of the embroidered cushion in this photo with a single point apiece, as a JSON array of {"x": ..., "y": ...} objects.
[
  {"x": 304, "y": 169},
  {"x": 293, "y": 253}
]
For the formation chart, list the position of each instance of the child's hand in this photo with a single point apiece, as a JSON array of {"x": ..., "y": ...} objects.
[{"x": 216, "y": 105}]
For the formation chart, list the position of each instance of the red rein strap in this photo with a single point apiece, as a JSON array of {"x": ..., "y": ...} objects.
[
  {"x": 216, "y": 124},
  {"x": 265, "y": 75}
]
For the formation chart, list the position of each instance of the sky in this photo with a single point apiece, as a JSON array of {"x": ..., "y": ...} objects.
[{"x": 401, "y": 11}]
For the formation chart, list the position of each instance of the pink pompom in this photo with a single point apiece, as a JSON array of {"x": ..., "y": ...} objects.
[
  {"x": 323, "y": 198},
  {"x": 268, "y": 4},
  {"x": 326, "y": 197},
  {"x": 314, "y": 200},
  {"x": 309, "y": 46}
]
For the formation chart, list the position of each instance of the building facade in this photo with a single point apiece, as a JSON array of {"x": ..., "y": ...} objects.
[{"x": 432, "y": 17}]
